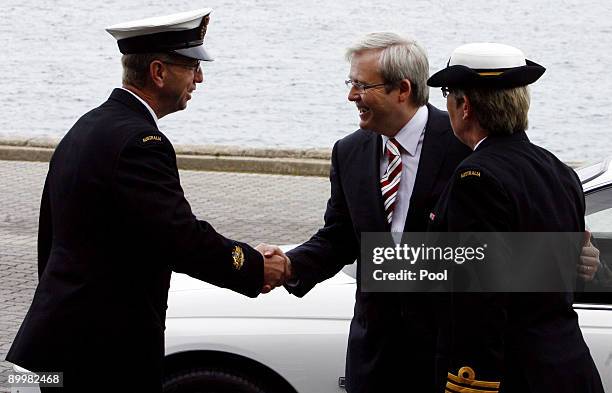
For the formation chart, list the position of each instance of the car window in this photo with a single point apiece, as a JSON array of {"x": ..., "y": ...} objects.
[
  {"x": 599, "y": 221},
  {"x": 590, "y": 172}
]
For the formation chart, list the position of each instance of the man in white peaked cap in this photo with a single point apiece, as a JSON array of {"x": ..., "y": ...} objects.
[{"x": 114, "y": 224}]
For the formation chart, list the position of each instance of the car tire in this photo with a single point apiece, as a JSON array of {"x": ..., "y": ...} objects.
[{"x": 204, "y": 380}]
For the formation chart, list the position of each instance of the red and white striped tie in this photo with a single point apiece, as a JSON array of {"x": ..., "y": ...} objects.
[{"x": 389, "y": 183}]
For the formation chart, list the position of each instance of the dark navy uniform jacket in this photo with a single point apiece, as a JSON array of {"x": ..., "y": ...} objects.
[
  {"x": 519, "y": 342},
  {"x": 392, "y": 337},
  {"x": 114, "y": 223}
]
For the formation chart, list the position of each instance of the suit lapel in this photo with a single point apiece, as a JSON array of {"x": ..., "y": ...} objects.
[{"x": 435, "y": 145}]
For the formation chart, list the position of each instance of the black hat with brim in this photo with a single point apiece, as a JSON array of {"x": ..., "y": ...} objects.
[{"x": 487, "y": 65}]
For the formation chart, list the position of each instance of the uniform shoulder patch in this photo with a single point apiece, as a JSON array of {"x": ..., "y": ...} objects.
[
  {"x": 151, "y": 138},
  {"x": 469, "y": 172}
]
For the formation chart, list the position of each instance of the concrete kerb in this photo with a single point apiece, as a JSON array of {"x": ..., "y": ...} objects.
[{"x": 299, "y": 162}]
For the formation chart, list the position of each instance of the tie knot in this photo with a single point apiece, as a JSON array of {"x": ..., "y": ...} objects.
[{"x": 393, "y": 147}]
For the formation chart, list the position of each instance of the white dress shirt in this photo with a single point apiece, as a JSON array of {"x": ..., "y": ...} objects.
[
  {"x": 410, "y": 137},
  {"x": 143, "y": 103},
  {"x": 478, "y": 144}
]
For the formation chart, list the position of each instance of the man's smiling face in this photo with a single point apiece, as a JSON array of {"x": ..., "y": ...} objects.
[{"x": 377, "y": 107}]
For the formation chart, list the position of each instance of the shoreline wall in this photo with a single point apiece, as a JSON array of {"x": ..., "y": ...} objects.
[
  {"x": 281, "y": 161},
  {"x": 219, "y": 158}
]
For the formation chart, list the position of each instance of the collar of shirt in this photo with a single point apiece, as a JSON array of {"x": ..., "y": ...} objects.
[
  {"x": 478, "y": 144},
  {"x": 408, "y": 137},
  {"x": 143, "y": 103}
]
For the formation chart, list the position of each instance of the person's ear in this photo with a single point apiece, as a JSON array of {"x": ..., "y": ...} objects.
[
  {"x": 157, "y": 73},
  {"x": 405, "y": 90},
  {"x": 466, "y": 108}
]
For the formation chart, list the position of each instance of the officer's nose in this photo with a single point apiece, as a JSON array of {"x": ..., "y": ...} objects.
[{"x": 198, "y": 76}]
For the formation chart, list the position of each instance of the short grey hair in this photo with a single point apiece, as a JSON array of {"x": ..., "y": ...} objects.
[
  {"x": 136, "y": 67},
  {"x": 401, "y": 58},
  {"x": 499, "y": 111}
]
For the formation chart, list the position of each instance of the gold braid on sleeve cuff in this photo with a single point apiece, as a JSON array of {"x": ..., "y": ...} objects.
[{"x": 465, "y": 382}]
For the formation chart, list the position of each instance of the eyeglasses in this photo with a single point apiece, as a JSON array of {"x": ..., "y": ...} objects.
[
  {"x": 445, "y": 92},
  {"x": 194, "y": 67},
  {"x": 362, "y": 87}
]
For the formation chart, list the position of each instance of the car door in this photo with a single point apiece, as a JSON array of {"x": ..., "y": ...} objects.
[{"x": 594, "y": 304}]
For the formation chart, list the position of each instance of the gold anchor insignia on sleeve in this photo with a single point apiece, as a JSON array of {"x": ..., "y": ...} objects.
[
  {"x": 238, "y": 257},
  {"x": 465, "y": 382}
]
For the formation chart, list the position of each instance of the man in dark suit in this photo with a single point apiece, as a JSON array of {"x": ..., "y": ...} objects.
[
  {"x": 114, "y": 224},
  {"x": 501, "y": 342},
  {"x": 392, "y": 336}
]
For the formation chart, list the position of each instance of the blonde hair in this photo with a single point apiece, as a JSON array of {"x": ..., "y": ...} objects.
[{"x": 499, "y": 111}]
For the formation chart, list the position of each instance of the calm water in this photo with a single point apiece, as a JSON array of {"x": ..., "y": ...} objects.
[{"x": 279, "y": 70}]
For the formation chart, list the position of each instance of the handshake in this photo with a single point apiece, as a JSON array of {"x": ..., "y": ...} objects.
[{"x": 277, "y": 267}]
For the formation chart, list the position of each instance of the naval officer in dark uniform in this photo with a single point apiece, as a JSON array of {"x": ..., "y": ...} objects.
[
  {"x": 114, "y": 224},
  {"x": 494, "y": 342}
]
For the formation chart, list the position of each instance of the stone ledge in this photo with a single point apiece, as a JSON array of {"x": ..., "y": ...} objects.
[
  {"x": 198, "y": 150},
  {"x": 299, "y": 162},
  {"x": 23, "y": 153},
  {"x": 209, "y": 158},
  {"x": 279, "y": 166}
]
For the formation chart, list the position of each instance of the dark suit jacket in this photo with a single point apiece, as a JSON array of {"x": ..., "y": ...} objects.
[
  {"x": 392, "y": 337},
  {"x": 114, "y": 223},
  {"x": 526, "y": 342}
]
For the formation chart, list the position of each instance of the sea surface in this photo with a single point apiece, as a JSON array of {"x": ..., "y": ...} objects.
[{"x": 277, "y": 80}]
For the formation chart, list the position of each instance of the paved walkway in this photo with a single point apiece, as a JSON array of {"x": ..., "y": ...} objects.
[{"x": 289, "y": 211}]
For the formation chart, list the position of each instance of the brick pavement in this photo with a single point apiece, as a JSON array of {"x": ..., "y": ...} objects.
[{"x": 288, "y": 210}]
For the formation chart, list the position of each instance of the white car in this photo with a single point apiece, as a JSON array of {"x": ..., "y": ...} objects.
[{"x": 219, "y": 341}]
